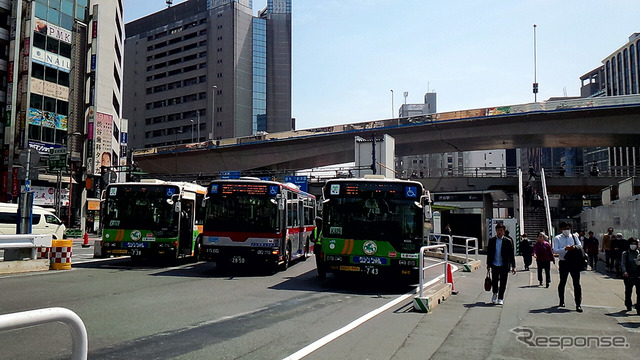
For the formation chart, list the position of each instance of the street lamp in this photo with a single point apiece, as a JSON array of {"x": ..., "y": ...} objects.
[
  {"x": 75, "y": 133},
  {"x": 213, "y": 112},
  {"x": 192, "y": 130},
  {"x": 198, "y": 128}
]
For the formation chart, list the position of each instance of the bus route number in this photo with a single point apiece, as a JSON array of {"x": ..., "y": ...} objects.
[
  {"x": 371, "y": 270},
  {"x": 136, "y": 252}
]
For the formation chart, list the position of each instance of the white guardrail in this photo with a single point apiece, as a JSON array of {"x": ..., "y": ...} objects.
[
  {"x": 23, "y": 245},
  {"x": 422, "y": 267},
  {"x": 448, "y": 240},
  {"x": 23, "y": 319}
]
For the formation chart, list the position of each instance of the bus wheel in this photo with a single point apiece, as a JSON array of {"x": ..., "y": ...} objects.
[
  {"x": 322, "y": 272},
  {"x": 136, "y": 259},
  {"x": 306, "y": 251},
  {"x": 287, "y": 257},
  {"x": 197, "y": 249}
]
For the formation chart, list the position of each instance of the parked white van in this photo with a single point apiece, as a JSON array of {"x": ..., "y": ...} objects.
[{"x": 43, "y": 221}]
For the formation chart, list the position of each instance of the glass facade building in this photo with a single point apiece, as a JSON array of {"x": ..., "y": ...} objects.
[{"x": 259, "y": 75}]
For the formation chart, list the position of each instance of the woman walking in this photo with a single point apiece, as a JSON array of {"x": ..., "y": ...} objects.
[{"x": 544, "y": 256}]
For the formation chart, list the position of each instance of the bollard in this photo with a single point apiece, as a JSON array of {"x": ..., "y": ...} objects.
[{"x": 61, "y": 251}]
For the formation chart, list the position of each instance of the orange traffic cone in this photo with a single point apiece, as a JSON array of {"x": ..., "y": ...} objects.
[
  {"x": 450, "y": 279},
  {"x": 85, "y": 243}
]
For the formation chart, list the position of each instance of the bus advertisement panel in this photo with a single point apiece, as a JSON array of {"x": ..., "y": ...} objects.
[
  {"x": 256, "y": 222},
  {"x": 151, "y": 219},
  {"x": 372, "y": 226}
]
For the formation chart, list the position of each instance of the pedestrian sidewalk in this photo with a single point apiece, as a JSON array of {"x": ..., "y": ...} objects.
[{"x": 529, "y": 325}]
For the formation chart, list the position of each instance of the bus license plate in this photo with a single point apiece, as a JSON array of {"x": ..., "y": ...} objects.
[
  {"x": 134, "y": 245},
  {"x": 369, "y": 260},
  {"x": 238, "y": 260}
]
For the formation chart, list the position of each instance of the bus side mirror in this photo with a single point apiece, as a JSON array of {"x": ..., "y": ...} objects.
[{"x": 428, "y": 215}]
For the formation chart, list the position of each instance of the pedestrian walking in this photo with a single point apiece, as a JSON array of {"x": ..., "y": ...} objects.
[
  {"x": 526, "y": 250},
  {"x": 618, "y": 245},
  {"x": 591, "y": 248},
  {"x": 606, "y": 248},
  {"x": 562, "y": 244},
  {"x": 631, "y": 274},
  {"x": 528, "y": 192},
  {"x": 536, "y": 200},
  {"x": 544, "y": 256},
  {"x": 532, "y": 173},
  {"x": 594, "y": 170},
  {"x": 500, "y": 259}
]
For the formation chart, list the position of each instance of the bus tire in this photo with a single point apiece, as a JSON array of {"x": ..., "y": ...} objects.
[
  {"x": 287, "y": 257},
  {"x": 306, "y": 252},
  {"x": 197, "y": 249},
  {"x": 322, "y": 272}
]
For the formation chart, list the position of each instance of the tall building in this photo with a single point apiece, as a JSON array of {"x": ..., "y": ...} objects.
[
  {"x": 206, "y": 70},
  {"x": 63, "y": 96},
  {"x": 619, "y": 75}
]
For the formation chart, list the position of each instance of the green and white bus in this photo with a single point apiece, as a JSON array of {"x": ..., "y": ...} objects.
[
  {"x": 152, "y": 218},
  {"x": 373, "y": 226}
]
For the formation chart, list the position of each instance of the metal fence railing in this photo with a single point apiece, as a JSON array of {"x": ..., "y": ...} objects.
[
  {"x": 422, "y": 266},
  {"x": 23, "y": 319}
]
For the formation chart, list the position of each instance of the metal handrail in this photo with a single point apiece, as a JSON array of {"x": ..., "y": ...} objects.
[
  {"x": 23, "y": 319},
  {"x": 422, "y": 268},
  {"x": 475, "y": 248},
  {"x": 545, "y": 197}
]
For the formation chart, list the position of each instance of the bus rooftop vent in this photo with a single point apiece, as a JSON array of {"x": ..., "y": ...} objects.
[{"x": 371, "y": 176}]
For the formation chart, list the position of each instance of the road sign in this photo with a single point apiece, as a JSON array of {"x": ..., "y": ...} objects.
[
  {"x": 58, "y": 158},
  {"x": 30, "y": 157},
  {"x": 300, "y": 181},
  {"x": 33, "y": 173},
  {"x": 225, "y": 175}
]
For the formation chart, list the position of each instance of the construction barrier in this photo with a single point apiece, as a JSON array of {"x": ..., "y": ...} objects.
[
  {"x": 60, "y": 256},
  {"x": 43, "y": 252}
]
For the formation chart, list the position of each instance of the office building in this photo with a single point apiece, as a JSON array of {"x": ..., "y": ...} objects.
[
  {"x": 207, "y": 70},
  {"x": 64, "y": 96}
]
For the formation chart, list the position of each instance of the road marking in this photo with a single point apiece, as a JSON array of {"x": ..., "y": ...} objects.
[{"x": 354, "y": 324}]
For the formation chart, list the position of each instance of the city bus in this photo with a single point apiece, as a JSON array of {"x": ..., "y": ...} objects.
[
  {"x": 251, "y": 221},
  {"x": 151, "y": 219},
  {"x": 373, "y": 226}
]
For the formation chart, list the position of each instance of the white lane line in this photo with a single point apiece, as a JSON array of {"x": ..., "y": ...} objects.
[{"x": 354, "y": 324}]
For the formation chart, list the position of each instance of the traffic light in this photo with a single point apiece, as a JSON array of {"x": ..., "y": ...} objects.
[{"x": 535, "y": 88}]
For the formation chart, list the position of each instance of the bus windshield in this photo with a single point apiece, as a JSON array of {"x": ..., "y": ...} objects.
[
  {"x": 143, "y": 208},
  {"x": 394, "y": 220},
  {"x": 240, "y": 212}
]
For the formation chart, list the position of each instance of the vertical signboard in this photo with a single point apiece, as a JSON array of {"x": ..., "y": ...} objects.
[{"x": 102, "y": 140}]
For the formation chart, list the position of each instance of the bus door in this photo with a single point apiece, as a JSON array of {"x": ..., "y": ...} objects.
[{"x": 185, "y": 242}]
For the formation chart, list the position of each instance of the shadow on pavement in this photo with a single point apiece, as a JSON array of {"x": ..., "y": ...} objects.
[
  {"x": 551, "y": 310},
  {"x": 480, "y": 304}
]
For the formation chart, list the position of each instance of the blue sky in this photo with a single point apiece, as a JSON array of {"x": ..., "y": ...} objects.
[{"x": 349, "y": 54}]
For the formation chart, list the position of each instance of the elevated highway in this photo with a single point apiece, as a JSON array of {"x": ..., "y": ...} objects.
[{"x": 613, "y": 121}]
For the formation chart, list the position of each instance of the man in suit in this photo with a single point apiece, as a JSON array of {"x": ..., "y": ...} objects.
[{"x": 500, "y": 258}]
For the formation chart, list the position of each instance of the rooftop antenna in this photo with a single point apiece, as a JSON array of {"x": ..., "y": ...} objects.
[{"x": 169, "y": 3}]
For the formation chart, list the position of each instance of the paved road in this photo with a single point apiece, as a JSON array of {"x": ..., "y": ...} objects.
[{"x": 191, "y": 311}]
